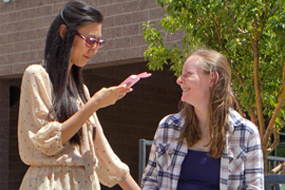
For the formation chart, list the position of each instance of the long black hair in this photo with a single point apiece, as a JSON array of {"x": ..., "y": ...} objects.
[{"x": 67, "y": 85}]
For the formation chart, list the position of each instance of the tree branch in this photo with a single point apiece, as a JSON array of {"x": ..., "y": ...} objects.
[
  {"x": 208, "y": 29},
  {"x": 283, "y": 75},
  {"x": 283, "y": 168},
  {"x": 218, "y": 32},
  {"x": 255, "y": 50},
  {"x": 233, "y": 18},
  {"x": 278, "y": 168},
  {"x": 275, "y": 8},
  {"x": 262, "y": 21},
  {"x": 255, "y": 29},
  {"x": 241, "y": 31},
  {"x": 275, "y": 142},
  {"x": 240, "y": 110},
  {"x": 252, "y": 114},
  {"x": 276, "y": 111}
]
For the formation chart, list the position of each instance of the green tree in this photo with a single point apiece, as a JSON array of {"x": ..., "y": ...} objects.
[{"x": 250, "y": 33}]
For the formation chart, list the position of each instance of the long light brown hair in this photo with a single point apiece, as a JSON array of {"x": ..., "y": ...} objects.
[{"x": 221, "y": 99}]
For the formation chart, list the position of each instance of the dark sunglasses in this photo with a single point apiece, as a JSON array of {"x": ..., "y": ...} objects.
[{"x": 92, "y": 42}]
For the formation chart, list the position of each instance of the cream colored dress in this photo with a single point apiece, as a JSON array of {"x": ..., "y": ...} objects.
[{"x": 57, "y": 166}]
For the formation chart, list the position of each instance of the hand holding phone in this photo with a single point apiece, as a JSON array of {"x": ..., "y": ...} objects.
[{"x": 133, "y": 79}]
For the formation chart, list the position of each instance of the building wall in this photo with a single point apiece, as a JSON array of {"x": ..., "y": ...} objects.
[
  {"x": 4, "y": 133},
  {"x": 24, "y": 25},
  {"x": 23, "y": 28}
]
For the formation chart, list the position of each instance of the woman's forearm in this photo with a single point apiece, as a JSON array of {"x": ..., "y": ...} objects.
[
  {"x": 101, "y": 99},
  {"x": 75, "y": 122},
  {"x": 129, "y": 184}
]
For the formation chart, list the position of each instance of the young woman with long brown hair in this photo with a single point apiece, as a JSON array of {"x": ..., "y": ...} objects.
[{"x": 207, "y": 145}]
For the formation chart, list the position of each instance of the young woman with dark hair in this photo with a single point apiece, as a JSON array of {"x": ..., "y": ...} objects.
[
  {"x": 59, "y": 134},
  {"x": 207, "y": 145}
]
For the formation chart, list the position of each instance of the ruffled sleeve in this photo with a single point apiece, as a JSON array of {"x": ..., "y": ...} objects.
[
  {"x": 35, "y": 131},
  {"x": 110, "y": 170}
]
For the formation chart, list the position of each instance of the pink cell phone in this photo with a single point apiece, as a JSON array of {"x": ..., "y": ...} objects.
[{"x": 133, "y": 79}]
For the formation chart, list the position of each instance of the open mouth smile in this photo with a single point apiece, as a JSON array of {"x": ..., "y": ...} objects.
[{"x": 186, "y": 89}]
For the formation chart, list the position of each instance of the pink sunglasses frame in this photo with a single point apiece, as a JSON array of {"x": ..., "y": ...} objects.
[{"x": 98, "y": 41}]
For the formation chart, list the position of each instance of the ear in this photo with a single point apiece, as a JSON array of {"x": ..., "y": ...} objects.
[
  {"x": 62, "y": 30},
  {"x": 214, "y": 78}
]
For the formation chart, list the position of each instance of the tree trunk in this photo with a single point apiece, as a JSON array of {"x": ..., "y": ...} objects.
[
  {"x": 258, "y": 100},
  {"x": 264, "y": 150}
]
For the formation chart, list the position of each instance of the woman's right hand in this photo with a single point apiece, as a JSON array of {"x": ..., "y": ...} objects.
[{"x": 108, "y": 96}]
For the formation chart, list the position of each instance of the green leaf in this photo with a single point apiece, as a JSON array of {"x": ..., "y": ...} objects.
[{"x": 229, "y": 27}]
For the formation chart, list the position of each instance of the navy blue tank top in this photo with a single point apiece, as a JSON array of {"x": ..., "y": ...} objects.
[{"x": 199, "y": 171}]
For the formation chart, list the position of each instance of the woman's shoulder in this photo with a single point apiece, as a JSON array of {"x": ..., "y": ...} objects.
[
  {"x": 36, "y": 70},
  {"x": 169, "y": 128},
  {"x": 36, "y": 75},
  {"x": 173, "y": 121},
  {"x": 239, "y": 123}
]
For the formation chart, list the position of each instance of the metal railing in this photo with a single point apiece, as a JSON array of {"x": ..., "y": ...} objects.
[
  {"x": 273, "y": 181},
  {"x": 142, "y": 156},
  {"x": 273, "y": 161}
]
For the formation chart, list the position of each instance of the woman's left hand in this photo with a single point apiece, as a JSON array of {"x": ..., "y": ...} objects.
[{"x": 108, "y": 96}]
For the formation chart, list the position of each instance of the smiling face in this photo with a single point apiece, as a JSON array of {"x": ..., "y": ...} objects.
[
  {"x": 195, "y": 83},
  {"x": 80, "y": 53}
]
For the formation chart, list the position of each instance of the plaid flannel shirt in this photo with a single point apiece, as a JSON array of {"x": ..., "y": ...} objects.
[{"x": 241, "y": 162}]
